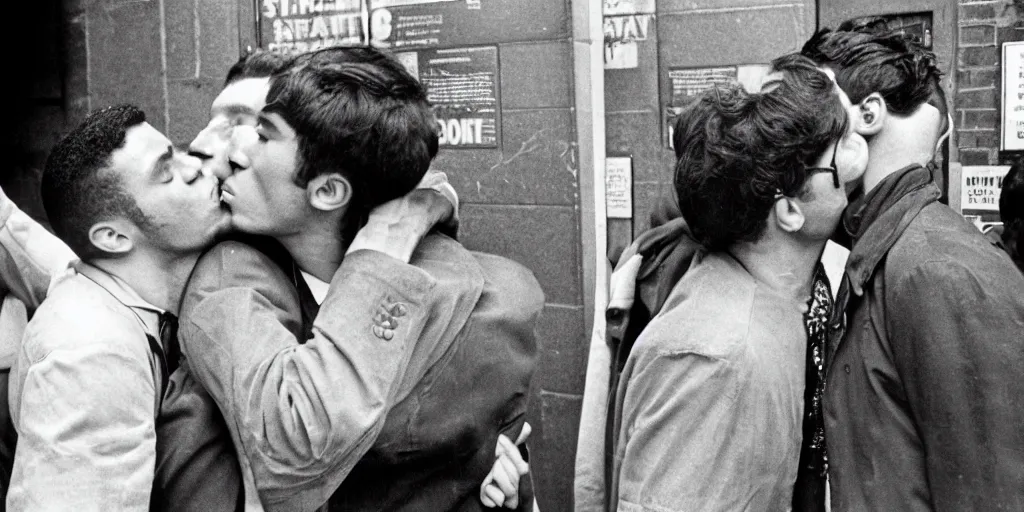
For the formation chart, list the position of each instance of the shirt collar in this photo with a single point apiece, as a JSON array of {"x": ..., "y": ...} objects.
[
  {"x": 148, "y": 314},
  {"x": 878, "y": 219},
  {"x": 317, "y": 287}
]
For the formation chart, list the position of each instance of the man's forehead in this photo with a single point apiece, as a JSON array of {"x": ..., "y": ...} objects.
[
  {"x": 143, "y": 145},
  {"x": 247, "y": 95}
]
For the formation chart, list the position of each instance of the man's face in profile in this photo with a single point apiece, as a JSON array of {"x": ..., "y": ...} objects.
[
  {"x": 236, "y": 105},
  {"x": 181, "y": 203}
]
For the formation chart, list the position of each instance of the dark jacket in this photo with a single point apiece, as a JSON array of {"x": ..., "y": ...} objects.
[
  {"x": 406, "y": 421},
  {"x": 924, "y": 396}
]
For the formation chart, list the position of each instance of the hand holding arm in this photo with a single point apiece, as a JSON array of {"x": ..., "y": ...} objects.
[{"x": 395, "y": 228}]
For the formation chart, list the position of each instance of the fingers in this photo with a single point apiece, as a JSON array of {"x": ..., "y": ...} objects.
[
  {"x": 511, "y": 453},
  {"x": 501, "y": 487},
  {"x": 490, "y": 495},
  {"x": 524, "y": 433}
]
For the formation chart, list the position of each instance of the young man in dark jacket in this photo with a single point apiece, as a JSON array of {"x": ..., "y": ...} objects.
[
  {"x": 402, "y": 412},
  {"x": 924, "y": 399}
]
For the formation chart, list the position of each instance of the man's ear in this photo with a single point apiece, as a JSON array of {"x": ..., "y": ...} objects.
[
  {"x": 871, "y": 115},
  {"x": 111, "y": 237},
  {"x": 328, "y": 192},
  {"x": 788, "y": 215}
]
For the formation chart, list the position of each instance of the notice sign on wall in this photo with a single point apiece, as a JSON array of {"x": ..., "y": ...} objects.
[
  {"x": 1013, "y": 96},
  {"x": 981, "y": 186},
  {"x": 618, "y": 187},
  {"x": 462, "y": 84},
  {"x": 293, "y": 26},
  {"x": 689, "y": 84}
]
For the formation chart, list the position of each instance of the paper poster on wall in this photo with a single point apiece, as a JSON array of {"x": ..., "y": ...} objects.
[
  {"x": 980, "y": 187},
  {"x": 621, "y": 35},
  {"x": 293, "y": 26},
  {"x": 618, "y": 187},
  {"x": 1013, "y": 97},
  {"x": 688, "y": 84},
  {"x": 398, "y": 3},
  {"x": 613, "y": 7},
  {"x": 462, "y": 84}
]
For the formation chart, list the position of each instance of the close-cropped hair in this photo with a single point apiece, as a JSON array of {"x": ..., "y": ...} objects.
[
  {"x": 363, "y": 116},
  {"x": 738, "y": 151},
  {"x": 79, "y": 189},
  {"x": 256, "y": 64},
  {"x": 867, "y": 59}
]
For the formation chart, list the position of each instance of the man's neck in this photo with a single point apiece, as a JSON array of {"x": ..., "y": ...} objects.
[
  {"x": 319, "y": 249},
  {"x": 784, "y": 266},
  {"x": 899, "y": 145},
  {"x": 159, "y": 281}
]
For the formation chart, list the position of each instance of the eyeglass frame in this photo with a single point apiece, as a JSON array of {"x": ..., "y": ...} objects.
[{"x": 831, "y": 168}]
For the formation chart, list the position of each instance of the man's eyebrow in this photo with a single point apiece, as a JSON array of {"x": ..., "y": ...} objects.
[
  {"x": 266, "y": 123},
  {"x": 162, "y": 162},
  {"x": 232, "y": 109}
]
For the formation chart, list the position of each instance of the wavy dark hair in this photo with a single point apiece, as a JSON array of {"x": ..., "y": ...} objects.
[
  {"x": 359, "y": 113},
  {"x": 738, "y": 150},
  {"x": 868, "y": 59}
]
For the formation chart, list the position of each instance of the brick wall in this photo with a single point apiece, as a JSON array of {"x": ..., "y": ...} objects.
[{"x": 983, "y": 26}]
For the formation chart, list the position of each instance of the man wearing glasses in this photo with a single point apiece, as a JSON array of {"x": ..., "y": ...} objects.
[{"x": 711, "y": 399}]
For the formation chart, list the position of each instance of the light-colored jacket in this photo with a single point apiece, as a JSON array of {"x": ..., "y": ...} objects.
[{"x": 84, "y": 398}]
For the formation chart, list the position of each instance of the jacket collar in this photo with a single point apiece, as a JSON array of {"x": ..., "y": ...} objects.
[
  {"x": 148, "y": 314},
  {"x": 877, "y": 220}
]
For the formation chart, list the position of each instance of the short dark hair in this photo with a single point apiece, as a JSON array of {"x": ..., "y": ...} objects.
[
  {"x": 738, "y": 150},
  {"x": 361, "y": 114},
  {"x": 1011, "y": 197},
  {"x": 78, "y": 189},
  {"x": 256, "y": 64},
  {"x": 891, "y": 63},
  {"x": 872, "y": 24}
]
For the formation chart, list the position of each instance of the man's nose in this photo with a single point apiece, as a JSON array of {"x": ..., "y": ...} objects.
[
  {"x": 203, "y": 146},
  {"x": 241, "y": 141},
  {"x": 191, "y": 168}
]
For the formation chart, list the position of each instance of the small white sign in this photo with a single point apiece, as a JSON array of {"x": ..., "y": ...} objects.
[
  {"x": 1013, "y": 96},
  {"x": 621, "y": 55},
  {"x": 612, "y": 7},
  {"x": 980, "y": 186},
  {"x": 618, "y": 187}
]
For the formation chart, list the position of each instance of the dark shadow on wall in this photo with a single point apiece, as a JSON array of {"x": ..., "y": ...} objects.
[{"x": 34, "y": 99}]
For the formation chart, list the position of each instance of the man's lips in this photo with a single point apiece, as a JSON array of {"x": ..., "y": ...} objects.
[{"x": 226, "y": 194}]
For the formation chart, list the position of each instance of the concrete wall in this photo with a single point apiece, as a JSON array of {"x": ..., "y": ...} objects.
[
  {"x": 687, "y": 34},
  {"x": 520, "y": 199}
]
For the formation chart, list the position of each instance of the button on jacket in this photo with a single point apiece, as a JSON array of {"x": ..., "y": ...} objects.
[
  {"x": 302, "y": 415},
  {"x": 924, "y": 397}
]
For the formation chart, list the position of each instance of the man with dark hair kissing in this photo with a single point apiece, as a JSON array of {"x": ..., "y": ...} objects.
[{"x": 404, "y": 412}]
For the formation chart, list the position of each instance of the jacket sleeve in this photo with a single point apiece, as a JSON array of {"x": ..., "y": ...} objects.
[
  {"x": 957, "y": 338},
  {"x": 79, "y": 449},
  {"x": 673, "y": 413},
  {"x": 29, "y": 255},
  {"x": 303, "y": 414},
  {"x": 196, "y": 465}
]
